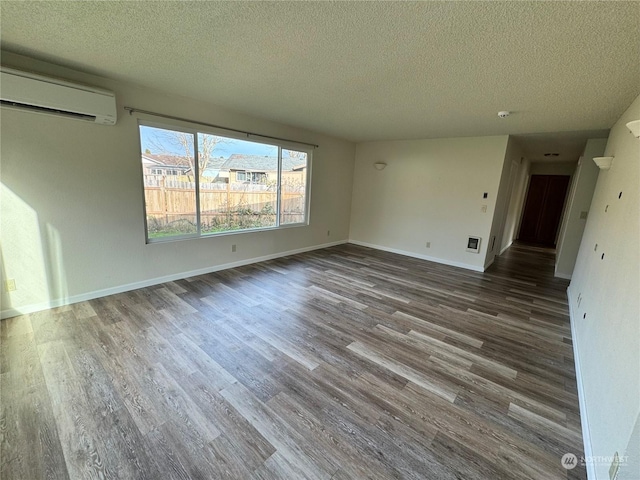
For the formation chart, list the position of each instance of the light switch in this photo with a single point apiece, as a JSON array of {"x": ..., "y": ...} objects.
[{"x": 10, "y": 285}]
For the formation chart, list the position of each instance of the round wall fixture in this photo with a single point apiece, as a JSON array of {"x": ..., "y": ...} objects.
[
  {"x": 634, "y": 128},
  {"x": 504, "y": 114},
  {"x": 379, "y": 165},
  {"x": 603, "y": 162}
]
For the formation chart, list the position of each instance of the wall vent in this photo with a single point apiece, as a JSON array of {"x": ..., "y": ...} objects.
[{"x": 473, "y": 244}]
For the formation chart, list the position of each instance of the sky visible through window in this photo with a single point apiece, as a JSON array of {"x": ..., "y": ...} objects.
[{"x": 152, "y": 141}]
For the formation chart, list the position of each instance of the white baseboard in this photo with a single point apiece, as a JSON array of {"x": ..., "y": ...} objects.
[
  {"x": 489, "y": 263},
  {"x": 505, "y": 248},
  {"x": 562, "y": 275},
  {"x": 584, "y": 420},
  {"x": 417, "y": 255},
  {"x": 83, "y": 297}
]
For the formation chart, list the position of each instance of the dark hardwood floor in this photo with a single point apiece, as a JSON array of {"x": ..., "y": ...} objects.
[{"x": 335, "y": 364}]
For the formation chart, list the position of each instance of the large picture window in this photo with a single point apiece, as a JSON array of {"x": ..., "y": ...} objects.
[{"x": 199, "y": 183}]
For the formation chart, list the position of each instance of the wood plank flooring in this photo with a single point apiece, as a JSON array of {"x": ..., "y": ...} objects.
[{"x": 344, "y": 363}]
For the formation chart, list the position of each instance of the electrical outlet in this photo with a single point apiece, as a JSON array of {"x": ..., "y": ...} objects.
[
  {"x": 10, "y": 285},
  {"x": 328, "y": 233},
  {"x": 233, "y": 247},
  {"x": 615, "y": 466},
  {"x": 483, "y": 209},
  {"x": 428, "y": 244}
]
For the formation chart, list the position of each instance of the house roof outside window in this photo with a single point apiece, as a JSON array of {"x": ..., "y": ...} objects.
[{"x": 260, "y": 163}]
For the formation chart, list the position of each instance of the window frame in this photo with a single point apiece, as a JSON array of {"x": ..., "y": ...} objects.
[{"x": 184, "y": 127}]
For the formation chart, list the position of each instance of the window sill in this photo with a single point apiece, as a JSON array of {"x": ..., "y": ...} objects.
[{"x": 195, "y": 236}]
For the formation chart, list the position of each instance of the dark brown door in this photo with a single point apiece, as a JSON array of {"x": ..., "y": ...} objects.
[{"x": 543, "y": 208}]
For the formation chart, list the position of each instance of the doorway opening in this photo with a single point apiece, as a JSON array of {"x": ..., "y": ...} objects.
[{"x": 543, "y": 209}]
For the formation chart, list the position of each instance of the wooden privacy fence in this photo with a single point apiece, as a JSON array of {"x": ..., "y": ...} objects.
[{"x": 170, "y": 201}]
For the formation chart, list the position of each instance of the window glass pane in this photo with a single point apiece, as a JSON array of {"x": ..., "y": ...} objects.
[
  {"x": 295, "y": 169},
  {"x": 239, "y": 184},
  {"x": 169, "y": 183}
]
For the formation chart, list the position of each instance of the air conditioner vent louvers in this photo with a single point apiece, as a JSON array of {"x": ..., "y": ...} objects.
[{"x": 34, "y": 108}]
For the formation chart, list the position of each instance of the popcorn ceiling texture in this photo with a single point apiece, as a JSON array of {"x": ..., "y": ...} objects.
[{"x": 358, "y": 70}]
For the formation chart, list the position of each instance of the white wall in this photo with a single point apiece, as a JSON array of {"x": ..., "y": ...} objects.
[
  {"x": 72, "y": 202},
  {"x": 607, "y": 341},
  {"x": 582, "y": 186},
  {"x": 431, "y": 191},
  {"x": 512, "y": 160},
  {"x": 516, "y": 203},
  {"x": 631, "y": 469}
]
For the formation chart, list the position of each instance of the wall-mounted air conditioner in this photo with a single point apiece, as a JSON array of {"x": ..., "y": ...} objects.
[{"x": 36, "y": 93}]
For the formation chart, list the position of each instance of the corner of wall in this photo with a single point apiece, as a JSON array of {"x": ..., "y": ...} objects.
[
  {"x": 402, "y": 206},
  {"x": 583, "y": 184},
  {"x": 504, "y": 197}
]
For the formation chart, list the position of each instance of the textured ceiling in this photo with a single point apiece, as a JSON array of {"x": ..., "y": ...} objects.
[{"x": 358, "y": 70}]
